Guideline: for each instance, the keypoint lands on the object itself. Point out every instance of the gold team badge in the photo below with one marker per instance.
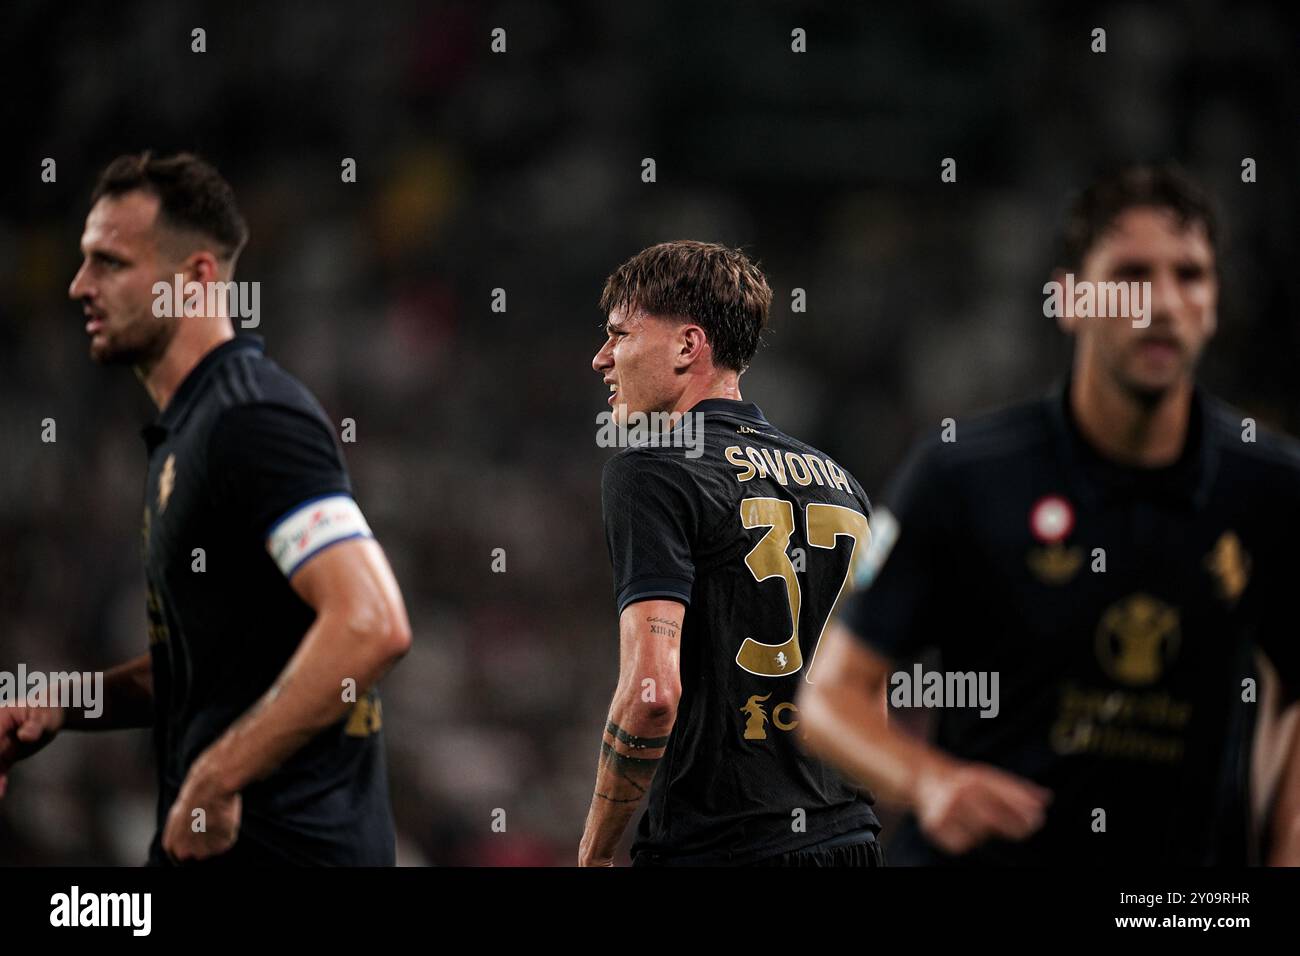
(785, 716)
(166, 481)
(756, 717)
(1051, 520)
(1230, 565)
(1137, 638)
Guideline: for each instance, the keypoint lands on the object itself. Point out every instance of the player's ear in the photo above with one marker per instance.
(1065, 317)
(691, 343)
(201, 266)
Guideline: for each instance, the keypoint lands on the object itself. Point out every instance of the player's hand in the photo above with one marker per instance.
(960, 805)
(198, 836)
(23, 731)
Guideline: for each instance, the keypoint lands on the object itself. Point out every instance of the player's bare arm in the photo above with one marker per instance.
(641, 717)
(128, 699)
(1284, 838)
(360, 631)
(1275, 766)
(959, 804)
(127, 703)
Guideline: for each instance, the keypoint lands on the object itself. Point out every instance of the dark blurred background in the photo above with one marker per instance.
(522, 171)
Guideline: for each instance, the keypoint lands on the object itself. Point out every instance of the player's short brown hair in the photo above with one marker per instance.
(1094, 209)
(192, 195)
(714, 286)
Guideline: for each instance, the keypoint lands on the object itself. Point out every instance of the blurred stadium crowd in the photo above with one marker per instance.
(522, 171)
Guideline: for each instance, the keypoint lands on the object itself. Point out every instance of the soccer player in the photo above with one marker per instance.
(1111, 551)
(731, 542)
(272, 611)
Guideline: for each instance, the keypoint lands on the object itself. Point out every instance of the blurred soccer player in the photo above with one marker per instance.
(265, 649)
(729, 555)
(1111, 552)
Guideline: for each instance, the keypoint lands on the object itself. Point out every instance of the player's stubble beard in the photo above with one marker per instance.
(140, 342)
(1144, 394)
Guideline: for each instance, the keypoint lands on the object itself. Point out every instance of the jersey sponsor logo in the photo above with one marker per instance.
(1230, 566)
(166, 482)
(784, 717)
(1144, 725)
(312, 527)
(1137, 639)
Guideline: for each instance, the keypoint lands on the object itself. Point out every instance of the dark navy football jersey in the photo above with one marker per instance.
(243, 455)
(755, 535)
(1119, 607)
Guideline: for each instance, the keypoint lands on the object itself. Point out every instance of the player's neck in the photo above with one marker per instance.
(195, 339)
(1123, 428)
(727, 386)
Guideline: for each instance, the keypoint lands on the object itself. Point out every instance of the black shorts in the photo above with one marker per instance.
(850, 849)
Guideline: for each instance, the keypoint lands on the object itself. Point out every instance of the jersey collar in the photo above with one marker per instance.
(732, 407)
(176, 410)
(1096, 478)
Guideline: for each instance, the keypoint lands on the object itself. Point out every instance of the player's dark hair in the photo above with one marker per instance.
(192, 195)
(1095, 209)
(716, 287)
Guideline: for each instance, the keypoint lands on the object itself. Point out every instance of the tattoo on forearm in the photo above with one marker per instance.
(662, 627)
(631, 775)
(638, 743)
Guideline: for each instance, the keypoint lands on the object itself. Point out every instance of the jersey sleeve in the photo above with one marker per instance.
(277, 475)
(898, 586)
(651, 522)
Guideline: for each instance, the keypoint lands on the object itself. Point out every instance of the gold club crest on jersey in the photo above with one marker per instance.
(1137, 639)
(1229, 564)
(166, 482)
(1051, 520)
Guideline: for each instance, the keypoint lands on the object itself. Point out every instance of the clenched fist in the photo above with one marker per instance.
(23, 731)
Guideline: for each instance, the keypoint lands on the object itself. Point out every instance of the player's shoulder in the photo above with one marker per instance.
(247, 377)
(1257, 449)
(648, 462)
(254, 405)
(830, 462)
